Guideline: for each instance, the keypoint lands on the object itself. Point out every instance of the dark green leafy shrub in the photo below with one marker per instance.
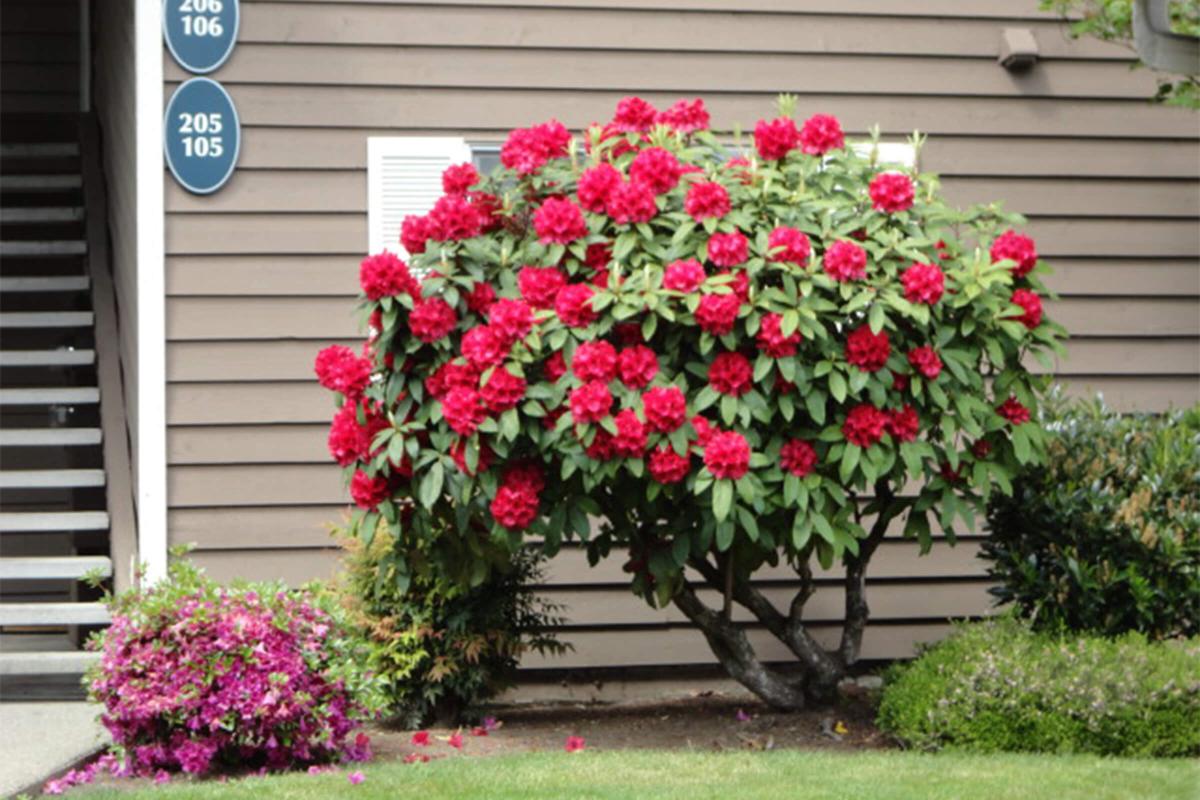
(1105, 535)
(441, 648)
(998, 685)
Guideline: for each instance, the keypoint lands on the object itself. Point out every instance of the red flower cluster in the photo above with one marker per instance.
(591, 402)
(555, 366)
(368, 492)
(925, 361)
(637, 366)
(458, 452)
(463, 410)
(717, 313)
(845, 261)
(502, 391)
(1019, 249)
(630, 438)
(480, 298)
(453, 218)
(431, 319)
(1013, 411)
(631, 202)
(414, 233)
(820, 134)
(512, 319)
(796, 246)
(704, 430)
(731, 374)
(866, 350)
(528, 149)
(923, 283)
(657, 169)
(864, 425)
(449, 376)
(666, 466)
(596, 185)
(775, 139)
(727, 455)
(339, 370)
(574, 306)
(891, 192)
(904, 424)
(515, 505)
(685, 117)
(484, 346)
(797, 457)
(665, 408)
(728, 249)
(706, 199)
(683, 276)
(559, 221)
(459, 179)
(634, 114)
(1032, 304)
(348, 441)
(594, 361)
(540, 285)
(385, 275)
(771, 339)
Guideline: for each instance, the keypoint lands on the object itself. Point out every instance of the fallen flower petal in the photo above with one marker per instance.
(421, 738)
(742, 716)
(356, 778)
(455, 741)
(491, 723)
(479, 731)
(416, 758)
(162, 776)
(574, 744)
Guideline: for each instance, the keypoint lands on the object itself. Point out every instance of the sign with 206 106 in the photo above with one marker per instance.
(202, 132)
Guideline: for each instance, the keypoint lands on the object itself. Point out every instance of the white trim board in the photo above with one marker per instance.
(404, 176)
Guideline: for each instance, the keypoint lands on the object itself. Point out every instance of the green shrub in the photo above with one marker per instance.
(998, 685)
(1105, 536)
(442, 649)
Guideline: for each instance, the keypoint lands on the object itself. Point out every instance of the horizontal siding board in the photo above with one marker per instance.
(346, 191)
(471, 109)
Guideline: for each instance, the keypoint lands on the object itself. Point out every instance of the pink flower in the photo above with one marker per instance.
(596, 185)
(666, 466)
(634, 115)
(657, 169)
(356, 778)
(820, 134)
(491, 724)
(559, 221)
(637, 366)
(891, 192)
(796, 246)
(728, 249)
(685, 117)
(574, 744)
(574, 306)
(742, 716)
(775, 139)
(923, 283)
(540, 285)
(845, 261)
(727, 455)
(683, 276)
(1019, 249)
(705, 200)
(455, 740)
(459, 178)
(631, 202)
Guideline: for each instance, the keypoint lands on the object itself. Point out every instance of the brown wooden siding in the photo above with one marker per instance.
(263, 273)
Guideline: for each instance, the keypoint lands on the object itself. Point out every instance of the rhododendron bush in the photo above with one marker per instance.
(197, 677)
(725, 358)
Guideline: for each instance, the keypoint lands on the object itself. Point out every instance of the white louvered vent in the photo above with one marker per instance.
(404, 176)
(897, 154)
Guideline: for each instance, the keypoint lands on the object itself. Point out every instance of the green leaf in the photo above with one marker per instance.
(431, 484)
(729, 408)
(725, 531)
(815, 401)
(850, 459)
(722, 499)
(748, 522)
(510, 424)
(837, 386)
(876, 318)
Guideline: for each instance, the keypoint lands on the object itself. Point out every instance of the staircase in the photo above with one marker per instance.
(54, 526)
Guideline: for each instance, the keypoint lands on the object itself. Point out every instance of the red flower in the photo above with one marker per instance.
(628, 333)
(904, 424)
(414, 233)
(891, 192)
(634, 114)
(574, 306)
(923, 283)
(683, 276)
(597, 256)
(458, 179)
(591, 402)
(462, 408)
(771, 339)
(797, 457)
(775, 139)
(1032, 304)
(540, 285)
(637, 366)
(656, 168)
(667, 466)
(706, 199)
(727, 455)
(484, 346)
(489, 208)
(595, 361)
(740, 168)
(596, 185)
(925, 361)
(458, 452)
(728, 249)
(431, 319)
(421, 739)
(845, 261)
(528, 149)
(573, 744)
(481, 296)
(864, 425)
(368, 492)
(453, 218)
(385, 275)
(630, 203)
(348, 441)
(502, 391)
(555, 366)
(514, 507)
(525, 476)
(730, 373)
(1012, 410)
(1019, 249)
(981, 449)
(665, 408)
(867, 351)
(717, 313)
(449, 376)
(704, 430)
(601, 448)
(559, 221)
(685, 117)
(820, 134)
(796, 246)
(339, 370)
(512, 319)
(630, 439)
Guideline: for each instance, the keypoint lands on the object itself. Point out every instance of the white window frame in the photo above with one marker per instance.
(384, 234)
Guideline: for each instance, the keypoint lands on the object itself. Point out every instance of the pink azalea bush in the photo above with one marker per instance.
(194, 676)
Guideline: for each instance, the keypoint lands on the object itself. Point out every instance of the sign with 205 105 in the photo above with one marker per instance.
(200, 33)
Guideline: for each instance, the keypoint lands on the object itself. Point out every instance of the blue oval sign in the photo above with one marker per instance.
(202, 135)
(200, 33)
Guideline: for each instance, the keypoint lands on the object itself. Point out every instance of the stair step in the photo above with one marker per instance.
(50, 478)
(63, 247)
(38, 614)
(48, 396)
(39, 149)
(49, 437)
(70, 662)
(40, 183)
(47, 214)
(38, 521)
(71, 283)
(46, 358)
(47, 319)
(54, 567)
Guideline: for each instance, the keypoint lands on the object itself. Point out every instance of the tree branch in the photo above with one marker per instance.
(857, 610)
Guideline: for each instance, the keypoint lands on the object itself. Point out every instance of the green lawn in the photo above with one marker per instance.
(630, 775)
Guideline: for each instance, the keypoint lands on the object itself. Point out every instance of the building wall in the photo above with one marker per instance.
(262, 274)
(39, 56)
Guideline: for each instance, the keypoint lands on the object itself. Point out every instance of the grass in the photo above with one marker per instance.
(663, 775)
